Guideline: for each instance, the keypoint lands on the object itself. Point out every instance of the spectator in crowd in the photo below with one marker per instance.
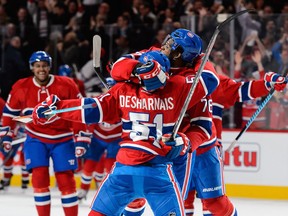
(4, 18)
(59, 16)
(41, 19)
(283, 15)
(220, 63)
(54, 48)
(159, 38)
(27, 32)
(14, 66)
(280, 53)
(246, 21)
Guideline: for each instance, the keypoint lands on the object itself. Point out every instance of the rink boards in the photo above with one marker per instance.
(257, 167)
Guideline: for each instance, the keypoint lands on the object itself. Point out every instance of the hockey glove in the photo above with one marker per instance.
(276, 81)
(82, 142)
(179, 146)
(6, 135)
(151, 75)
(49, 104)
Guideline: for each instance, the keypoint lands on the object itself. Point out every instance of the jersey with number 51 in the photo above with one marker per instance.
(145, 116)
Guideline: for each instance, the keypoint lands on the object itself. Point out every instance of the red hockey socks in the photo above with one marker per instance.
(40, 184)
(67, 186)
(220, 206)
(42, 200)
(189, 203)
(135, 208)
(87, 172)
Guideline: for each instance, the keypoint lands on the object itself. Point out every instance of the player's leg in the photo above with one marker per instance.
(135, 208)
(111, 152)
(209, 183)
(115, 192)
(40, 173)
(99, 170)
(163, 192)
(24, 171)
(64, 163)
(92, 160)
(86, 178)
(182, 168)
(189, 202)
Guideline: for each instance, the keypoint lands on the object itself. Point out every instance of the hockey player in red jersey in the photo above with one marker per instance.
(44, 141)
(146, 116)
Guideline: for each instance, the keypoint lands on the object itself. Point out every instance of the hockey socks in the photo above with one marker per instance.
(189, 203)
(42, 200)
(220, 206)
(67, 186)
(135, 208)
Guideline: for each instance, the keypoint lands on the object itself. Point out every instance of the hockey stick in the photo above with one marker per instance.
(8, 156)
(198, 74)
(96, 60)
(28, 118)
(254, 116)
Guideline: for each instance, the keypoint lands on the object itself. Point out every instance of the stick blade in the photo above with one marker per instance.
(96, 51)
(23, 119)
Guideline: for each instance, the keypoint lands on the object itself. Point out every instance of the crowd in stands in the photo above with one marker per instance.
(64, 29)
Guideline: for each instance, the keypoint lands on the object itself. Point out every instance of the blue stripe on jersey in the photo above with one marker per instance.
(7, 111)
(217, 111)
(27, 111)
(245, 91)
(211, 80)
(127, 125)
(91, 115)
(205, 124)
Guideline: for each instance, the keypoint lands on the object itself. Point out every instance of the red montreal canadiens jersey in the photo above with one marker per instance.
(229, 92)
(27, 93)
(145, 116)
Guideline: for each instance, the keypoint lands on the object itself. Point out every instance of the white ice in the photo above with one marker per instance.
(15, 202)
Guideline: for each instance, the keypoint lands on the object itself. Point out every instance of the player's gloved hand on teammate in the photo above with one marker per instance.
(151, 75)
(39, 111)
(6, 135)
(276, 81)
(82, 142)
(179, 146)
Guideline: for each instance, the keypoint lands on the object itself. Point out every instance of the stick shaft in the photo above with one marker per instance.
(28, 118)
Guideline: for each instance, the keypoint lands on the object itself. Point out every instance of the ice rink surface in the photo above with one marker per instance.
(15, 202)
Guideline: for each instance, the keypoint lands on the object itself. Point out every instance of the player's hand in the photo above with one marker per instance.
(179, 146)
(82, 142)
(39, 111)
(151, 75)
(6, 135)
(276, 81)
